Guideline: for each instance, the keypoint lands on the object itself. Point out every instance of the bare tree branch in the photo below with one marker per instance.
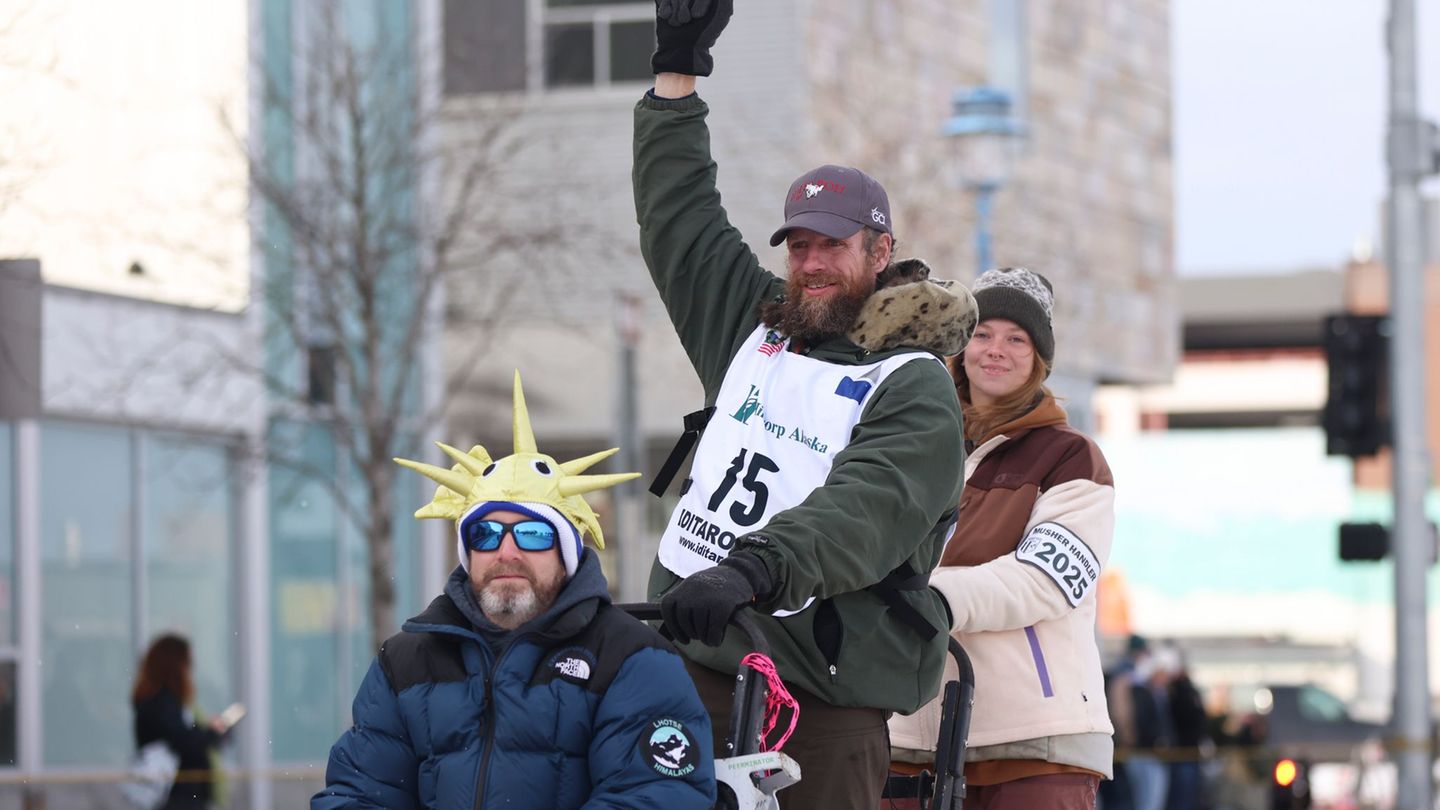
(352, 272)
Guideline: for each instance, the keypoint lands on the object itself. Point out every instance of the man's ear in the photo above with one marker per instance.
(881, 257)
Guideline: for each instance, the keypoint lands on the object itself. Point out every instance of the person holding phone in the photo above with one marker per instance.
(162, 699)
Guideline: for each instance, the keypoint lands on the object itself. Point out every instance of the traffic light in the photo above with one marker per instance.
(1357, 410)
(1363, 542)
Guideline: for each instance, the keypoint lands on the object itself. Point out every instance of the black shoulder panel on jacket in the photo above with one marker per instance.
(593, 657)
(412, 658)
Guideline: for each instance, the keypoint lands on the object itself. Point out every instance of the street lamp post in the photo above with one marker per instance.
(635, 551)
(1413, 155)
(984, 140)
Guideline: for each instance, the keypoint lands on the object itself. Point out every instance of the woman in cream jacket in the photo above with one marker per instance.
(1019, 572)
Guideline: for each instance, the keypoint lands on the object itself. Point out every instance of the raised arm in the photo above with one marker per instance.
(708, 278)
(674, 85)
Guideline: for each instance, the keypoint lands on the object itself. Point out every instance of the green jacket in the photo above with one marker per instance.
(890, 496)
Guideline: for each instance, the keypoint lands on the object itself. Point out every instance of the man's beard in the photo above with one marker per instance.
(812, 319)
(510, 604)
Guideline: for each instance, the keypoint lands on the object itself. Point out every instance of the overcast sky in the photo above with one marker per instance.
(1279, 128)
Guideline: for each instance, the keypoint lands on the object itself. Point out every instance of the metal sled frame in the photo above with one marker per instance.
(944, 787)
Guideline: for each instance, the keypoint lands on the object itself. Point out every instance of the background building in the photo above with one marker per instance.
(166, 340)
(1234, 550)
(865, 83)
(173, 438)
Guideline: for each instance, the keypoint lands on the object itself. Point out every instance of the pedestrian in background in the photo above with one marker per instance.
(1116, 794)
(1034, 529)
(162, 699)
(1189, 729)
(1146, 771)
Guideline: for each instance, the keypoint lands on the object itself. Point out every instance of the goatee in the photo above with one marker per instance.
(510, 604)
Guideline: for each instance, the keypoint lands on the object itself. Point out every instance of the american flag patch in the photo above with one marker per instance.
(774, 342)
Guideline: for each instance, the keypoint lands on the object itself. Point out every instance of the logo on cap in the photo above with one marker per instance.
(855, 200)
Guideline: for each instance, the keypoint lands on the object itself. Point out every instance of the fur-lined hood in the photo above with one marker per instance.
(911, 309)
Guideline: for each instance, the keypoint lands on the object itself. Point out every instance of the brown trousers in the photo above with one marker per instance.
(844, 754)
(1056, 791)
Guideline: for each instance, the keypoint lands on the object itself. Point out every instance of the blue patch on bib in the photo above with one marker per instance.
(853, 389)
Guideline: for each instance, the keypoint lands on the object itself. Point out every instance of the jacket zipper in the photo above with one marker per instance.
(829, 636)
(489, 741)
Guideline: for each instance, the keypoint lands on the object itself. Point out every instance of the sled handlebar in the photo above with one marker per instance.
(650, 612)
(747, 713)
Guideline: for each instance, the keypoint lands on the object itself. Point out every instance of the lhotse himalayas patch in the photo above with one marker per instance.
(669, 748)
(1062, 557)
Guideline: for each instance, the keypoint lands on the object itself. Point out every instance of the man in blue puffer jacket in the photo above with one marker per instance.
(522, 686)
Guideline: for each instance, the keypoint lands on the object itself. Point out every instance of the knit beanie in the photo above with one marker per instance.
(1023, 296)
(571, 547)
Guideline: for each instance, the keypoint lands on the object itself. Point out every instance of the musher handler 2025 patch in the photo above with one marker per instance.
(1063, 557)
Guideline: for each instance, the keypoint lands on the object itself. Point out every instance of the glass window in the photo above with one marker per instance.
(187, 552)
(409, 600)
(484, 44)
(569, 54)
(7, 597)
(631, 44)
(8, 747)
(7, 536)
(87, 647)
(1317, 704)
(307, 710)
(597, 42)
(582, 42)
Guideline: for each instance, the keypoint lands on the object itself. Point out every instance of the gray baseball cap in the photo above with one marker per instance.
(836, 201)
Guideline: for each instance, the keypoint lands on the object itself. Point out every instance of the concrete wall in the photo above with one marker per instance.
(1091, 202)
(566, 192)
(798, 84)
(20, 330)
(123, 359)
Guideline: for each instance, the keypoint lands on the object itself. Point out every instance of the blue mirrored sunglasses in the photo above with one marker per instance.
(530, 535)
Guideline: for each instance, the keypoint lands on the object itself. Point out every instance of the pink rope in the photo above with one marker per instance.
(776, 696)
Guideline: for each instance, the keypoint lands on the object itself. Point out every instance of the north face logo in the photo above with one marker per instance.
(811, 189)
(577, 668)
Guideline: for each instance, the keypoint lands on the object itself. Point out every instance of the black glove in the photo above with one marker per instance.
(700, 607)
(684, 32)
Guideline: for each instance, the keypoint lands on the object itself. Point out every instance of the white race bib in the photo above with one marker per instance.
(780, 419)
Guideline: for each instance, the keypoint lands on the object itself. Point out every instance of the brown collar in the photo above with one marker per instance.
(1046, 414)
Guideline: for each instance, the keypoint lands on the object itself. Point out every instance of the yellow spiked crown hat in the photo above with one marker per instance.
(526, 481)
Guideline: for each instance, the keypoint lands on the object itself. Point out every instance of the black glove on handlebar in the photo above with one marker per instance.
(684, 32)
(700, 607)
